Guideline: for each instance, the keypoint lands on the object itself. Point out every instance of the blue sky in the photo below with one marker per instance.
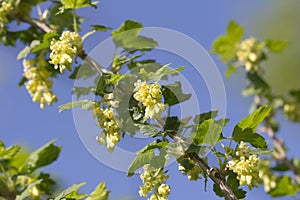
(23, 122)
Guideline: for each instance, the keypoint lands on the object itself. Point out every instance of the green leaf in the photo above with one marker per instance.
(161, 73)
(172, 124)
(252, 121)
(86, 71)
(139, 43)
(100, 28)
(115, 78)
(230, 70)
(23, 53)
(173, 94)
(69, 190)
(148, 129)
(76, 4)
(135, 28)
(79, 91)
(42, 157)
(26, 192)
(85, 104)
(285, 187)
(60, 19)
(281, 167)
(257, 86)
(205, 116)
(46, 41)
(141, 160)
(8, 153)
(100, 193)
(208, 132)
(275, 46)
(225, 45)
(247, 135)
(153, 145)
(235, 31)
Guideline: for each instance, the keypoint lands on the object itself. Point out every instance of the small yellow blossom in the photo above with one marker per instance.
(38, 85)
(63, 50)
(245, 166)
(154, 182)
(150, 96)
(5, 8)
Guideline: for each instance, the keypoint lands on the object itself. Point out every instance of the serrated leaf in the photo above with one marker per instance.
(42, 157)
(26, 193)
(8, 153)
(173, 94)
(139, 43)
(76, 4)
(69, 190)
(208, 132)
(285, 187)
(253, 120)
(276, 46)
(140, 160)
(205, 116)
(100, 193)
(100, 28)
(247, 135)
(85, 104)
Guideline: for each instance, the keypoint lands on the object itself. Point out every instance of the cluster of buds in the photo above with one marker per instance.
(108, 121)
(150, 96)
(63, 50)
(268, 179)
(291, 109)
(5, 8)
(38, 85)
(154, 182)
(250, 53)
(245, 166)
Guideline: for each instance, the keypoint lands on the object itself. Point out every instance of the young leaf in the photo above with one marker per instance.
(42, 157)
(148, 129)
(100, 193)
(275, 46)
(46, 41)
(76, 4)
(140, 160)
(235, 31)
(285, 187)
(153, 145)
(172, 124)
(69, 190)
(230, 70)
(8, 153)
(173, 94)
(85, 104)
(247, 135)
(23, 53)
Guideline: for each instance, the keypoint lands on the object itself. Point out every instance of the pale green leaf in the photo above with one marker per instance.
(87, 104)
(26, 193)
(69, 190)
(140, 160)
(100, 193)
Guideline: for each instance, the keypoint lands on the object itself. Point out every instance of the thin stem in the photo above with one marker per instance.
(75, 21)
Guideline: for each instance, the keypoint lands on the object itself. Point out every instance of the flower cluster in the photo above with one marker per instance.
(150, 96)
(291, 109)
(5, 8)
(249, 53)
(154, 182)
(108, 121)
(63, 50)
(38, 85)
(268, 179)
(245, 166)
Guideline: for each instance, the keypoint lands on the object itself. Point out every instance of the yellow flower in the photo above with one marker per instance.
(150, 96)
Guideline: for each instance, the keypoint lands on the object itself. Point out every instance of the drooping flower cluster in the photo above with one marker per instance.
(245, 166)
(249, 53)
(5, 8)
(108, 121)
(38, 85)
(268, 179)
(154, 181)
(63, 50)
(150, 96)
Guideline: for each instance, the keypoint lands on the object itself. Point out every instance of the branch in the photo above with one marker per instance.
(278, 144)
(213, 175)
